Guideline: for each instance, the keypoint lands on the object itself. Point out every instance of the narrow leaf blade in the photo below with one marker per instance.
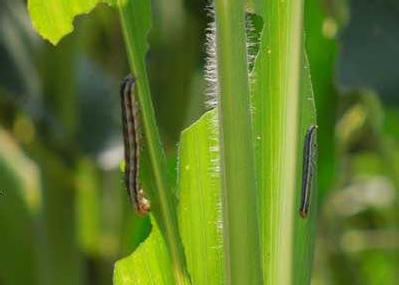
(200, 213)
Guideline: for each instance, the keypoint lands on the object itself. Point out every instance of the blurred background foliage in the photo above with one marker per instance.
(64, 215)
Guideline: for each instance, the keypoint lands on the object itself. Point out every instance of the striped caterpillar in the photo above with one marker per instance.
(308, 172)
(131, 138)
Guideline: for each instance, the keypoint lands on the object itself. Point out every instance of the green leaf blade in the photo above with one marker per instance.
(53, 19)
(278, 96)
(136, 20)
(200, 213)
(150, 263)
(304, 229)
(240, 215)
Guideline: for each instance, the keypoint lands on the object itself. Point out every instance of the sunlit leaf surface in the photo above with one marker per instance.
(53, 19)
(149, 264)
(200, 213)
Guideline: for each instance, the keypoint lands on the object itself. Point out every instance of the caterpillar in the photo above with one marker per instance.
(131, 138)
(308, 171)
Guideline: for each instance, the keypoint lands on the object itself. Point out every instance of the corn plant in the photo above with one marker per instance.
(232, 215)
